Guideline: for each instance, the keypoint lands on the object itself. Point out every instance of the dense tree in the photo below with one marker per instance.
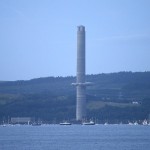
(53, 98)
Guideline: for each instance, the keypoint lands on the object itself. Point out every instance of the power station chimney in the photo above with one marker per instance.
(80, 77)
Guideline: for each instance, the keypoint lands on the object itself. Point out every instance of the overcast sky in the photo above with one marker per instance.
(38, 37)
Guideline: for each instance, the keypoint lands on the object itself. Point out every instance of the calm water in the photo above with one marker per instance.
(75, 137)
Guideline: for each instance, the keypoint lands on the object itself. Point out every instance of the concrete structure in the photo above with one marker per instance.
(80, 78)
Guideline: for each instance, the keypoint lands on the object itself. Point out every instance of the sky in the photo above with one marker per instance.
(38, 37)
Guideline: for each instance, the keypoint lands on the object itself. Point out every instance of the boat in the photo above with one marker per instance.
(36, 124)
(3, 125)
(145, 122)
(65, 123)
(105, 123)
(130, 123)
(135, 123)
(88, 123)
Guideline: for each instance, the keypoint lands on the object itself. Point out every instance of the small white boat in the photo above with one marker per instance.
(145, 122)
(65, 123)
(105, 123)
(88, 123)
(135, 123)
(36, 124)
(130, 123)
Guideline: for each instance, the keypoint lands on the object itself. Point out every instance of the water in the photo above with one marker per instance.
(75, 137)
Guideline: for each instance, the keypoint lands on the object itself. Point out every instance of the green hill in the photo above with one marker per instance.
(54, 98)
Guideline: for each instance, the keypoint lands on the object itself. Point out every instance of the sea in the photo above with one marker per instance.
(75, 137)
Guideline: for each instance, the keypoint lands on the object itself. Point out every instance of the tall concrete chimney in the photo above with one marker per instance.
(80, 78)
(81, 88)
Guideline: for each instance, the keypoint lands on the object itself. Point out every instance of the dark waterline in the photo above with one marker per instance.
(75, 137)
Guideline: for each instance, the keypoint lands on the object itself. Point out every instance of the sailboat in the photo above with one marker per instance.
(145, 122)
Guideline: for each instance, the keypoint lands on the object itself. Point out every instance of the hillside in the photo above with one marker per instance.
(53, 98)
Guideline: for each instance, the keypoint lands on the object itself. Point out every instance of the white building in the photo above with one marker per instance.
(20, 120)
